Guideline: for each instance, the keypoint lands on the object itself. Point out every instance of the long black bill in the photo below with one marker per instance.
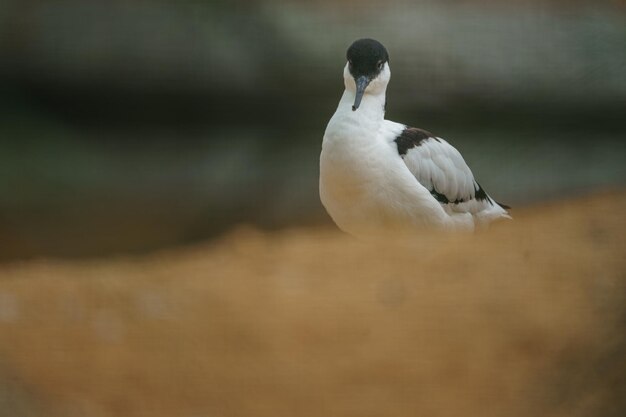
(361, 84)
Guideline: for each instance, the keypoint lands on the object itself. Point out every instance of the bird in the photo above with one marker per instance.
(377, 175)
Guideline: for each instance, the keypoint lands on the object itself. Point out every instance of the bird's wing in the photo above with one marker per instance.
(440, 168)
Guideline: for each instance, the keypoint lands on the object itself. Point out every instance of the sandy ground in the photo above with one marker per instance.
(525, 319)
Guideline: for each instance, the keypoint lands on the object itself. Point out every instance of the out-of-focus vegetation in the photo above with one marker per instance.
(130, 126)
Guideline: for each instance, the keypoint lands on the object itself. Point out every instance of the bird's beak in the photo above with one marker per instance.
(361, 84)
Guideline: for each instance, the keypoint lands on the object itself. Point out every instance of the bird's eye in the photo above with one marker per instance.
(380, 65)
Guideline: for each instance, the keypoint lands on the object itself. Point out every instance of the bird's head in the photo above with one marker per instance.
(367, 70)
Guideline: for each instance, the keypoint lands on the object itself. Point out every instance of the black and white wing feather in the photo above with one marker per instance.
(440, 168)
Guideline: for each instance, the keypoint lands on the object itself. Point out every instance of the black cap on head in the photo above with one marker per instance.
(366, 58)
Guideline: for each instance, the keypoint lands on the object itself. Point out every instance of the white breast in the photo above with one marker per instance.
(365, 185)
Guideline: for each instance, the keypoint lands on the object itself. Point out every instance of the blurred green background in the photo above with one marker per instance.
(127, 126)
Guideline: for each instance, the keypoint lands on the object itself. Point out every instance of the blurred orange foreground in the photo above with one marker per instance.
(525, 319)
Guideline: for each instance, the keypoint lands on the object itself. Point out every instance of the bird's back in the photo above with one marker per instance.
(440, 168)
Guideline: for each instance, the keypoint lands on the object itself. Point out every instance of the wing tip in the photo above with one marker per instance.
(504, 206)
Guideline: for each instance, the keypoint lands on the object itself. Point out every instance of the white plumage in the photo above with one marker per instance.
(376, 174)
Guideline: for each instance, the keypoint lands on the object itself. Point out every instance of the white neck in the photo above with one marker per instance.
(370, 113)
(372, 104)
